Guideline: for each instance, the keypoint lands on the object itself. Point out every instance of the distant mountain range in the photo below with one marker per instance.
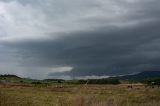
(141, 75)
(137, 76)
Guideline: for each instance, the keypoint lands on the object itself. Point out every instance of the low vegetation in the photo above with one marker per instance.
(150, 81)
(80, 95)
(91, 92)
(100, 81)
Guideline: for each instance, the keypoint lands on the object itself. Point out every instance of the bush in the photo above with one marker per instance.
(100, 81)
(36, 82)
(151, 80)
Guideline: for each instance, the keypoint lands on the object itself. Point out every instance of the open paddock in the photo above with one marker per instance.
(79, 95)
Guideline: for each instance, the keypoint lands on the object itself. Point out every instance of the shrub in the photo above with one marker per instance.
(36, 82)
(100, 81)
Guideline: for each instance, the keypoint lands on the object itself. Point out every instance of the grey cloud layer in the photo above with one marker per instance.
(111, 52)
(94, 37)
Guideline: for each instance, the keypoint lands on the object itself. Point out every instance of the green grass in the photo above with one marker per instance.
(79, 95)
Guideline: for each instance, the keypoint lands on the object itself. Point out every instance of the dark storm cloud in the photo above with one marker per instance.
(96, 38)
(99, 52)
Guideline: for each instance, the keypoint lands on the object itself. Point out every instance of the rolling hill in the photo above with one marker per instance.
(141, 75)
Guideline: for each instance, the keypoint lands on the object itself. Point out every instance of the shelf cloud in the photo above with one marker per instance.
(78, 38)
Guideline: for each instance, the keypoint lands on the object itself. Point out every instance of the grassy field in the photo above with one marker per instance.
(79, 95)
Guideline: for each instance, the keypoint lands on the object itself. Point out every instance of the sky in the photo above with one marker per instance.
(79, 38)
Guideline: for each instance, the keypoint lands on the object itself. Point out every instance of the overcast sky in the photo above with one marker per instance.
(79, 38)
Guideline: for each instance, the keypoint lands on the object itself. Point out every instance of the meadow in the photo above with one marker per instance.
(79, 95)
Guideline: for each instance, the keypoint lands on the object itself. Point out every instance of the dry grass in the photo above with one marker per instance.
(78, 95)
(7, 100)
